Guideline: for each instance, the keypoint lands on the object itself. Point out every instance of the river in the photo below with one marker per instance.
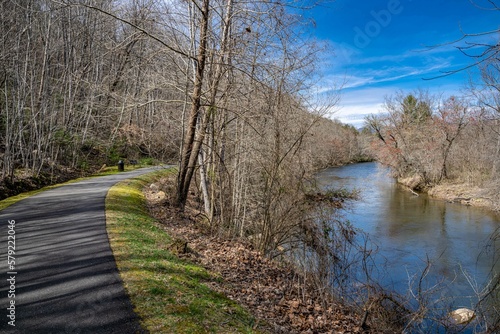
(411, 230)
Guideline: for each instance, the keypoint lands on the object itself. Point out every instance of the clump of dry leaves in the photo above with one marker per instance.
(271, 291)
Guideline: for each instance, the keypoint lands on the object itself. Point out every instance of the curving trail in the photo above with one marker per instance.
(65, 276)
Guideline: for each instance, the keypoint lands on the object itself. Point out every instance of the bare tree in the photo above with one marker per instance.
(473, 45)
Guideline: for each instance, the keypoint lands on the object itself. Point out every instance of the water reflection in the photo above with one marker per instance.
(410, 230)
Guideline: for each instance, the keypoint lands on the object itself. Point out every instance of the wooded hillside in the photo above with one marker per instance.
(223, 88)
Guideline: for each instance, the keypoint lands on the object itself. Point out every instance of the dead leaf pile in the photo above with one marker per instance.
(274, 293)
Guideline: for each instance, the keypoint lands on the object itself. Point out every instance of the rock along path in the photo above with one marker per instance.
(64, 279)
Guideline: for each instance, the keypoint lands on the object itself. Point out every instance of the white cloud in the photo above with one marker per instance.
(355, 105)
(367, 80)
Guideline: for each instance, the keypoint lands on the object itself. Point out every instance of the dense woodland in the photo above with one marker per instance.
(224, 89)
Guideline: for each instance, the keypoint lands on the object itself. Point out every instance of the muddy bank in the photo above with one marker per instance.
(463, 193)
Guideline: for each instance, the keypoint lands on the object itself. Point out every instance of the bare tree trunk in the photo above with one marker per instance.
(191, 147)
(222, 62)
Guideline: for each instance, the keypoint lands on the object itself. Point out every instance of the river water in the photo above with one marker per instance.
(411, 230)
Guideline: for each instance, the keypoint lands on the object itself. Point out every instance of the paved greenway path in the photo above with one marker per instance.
(64, 277)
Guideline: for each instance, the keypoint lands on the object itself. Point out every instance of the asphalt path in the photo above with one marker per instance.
(64, 278)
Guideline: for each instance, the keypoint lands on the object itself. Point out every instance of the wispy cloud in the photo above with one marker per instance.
(355, 105)
(399, 51)
(366, 77)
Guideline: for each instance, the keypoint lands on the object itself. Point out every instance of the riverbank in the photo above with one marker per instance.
(427, 249)
(280, 299)
(182, 278)
(462, 193)
(465, 194)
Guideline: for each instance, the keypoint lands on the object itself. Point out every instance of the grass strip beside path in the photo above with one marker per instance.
(169, 294)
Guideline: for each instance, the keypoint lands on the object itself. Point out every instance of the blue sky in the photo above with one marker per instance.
(381, 46)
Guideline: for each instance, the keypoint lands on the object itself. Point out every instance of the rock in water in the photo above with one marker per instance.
(462, 316)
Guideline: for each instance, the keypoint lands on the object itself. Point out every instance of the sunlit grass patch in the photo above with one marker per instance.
(170, 295)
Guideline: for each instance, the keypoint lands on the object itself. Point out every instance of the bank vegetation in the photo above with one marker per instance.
(448, 146)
